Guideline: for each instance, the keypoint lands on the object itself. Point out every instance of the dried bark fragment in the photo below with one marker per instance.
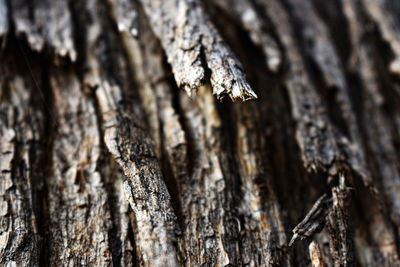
(389, 26)
(146, 82)
(45, 22)
(257, 28)
(185, 33)
(314, 220)
(20, 130)
(335, 214)
(79, 218)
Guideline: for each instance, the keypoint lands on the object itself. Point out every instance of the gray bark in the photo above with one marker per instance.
(118, 145)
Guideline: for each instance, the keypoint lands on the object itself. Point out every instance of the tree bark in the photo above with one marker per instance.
(199, 133)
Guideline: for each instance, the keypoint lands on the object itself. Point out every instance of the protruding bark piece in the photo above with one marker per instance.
(314, 220)
(257, 28)
(333, 213)
(186, 33)
(45, 22)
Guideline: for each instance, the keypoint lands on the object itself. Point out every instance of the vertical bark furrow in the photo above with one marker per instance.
(257, 28)
(120, 235)
(185, 33)
(377, 133)
(79, 218)
(317, 137)
(320, 49)
(146, 76)
(147, 58)
(211, 222)
(20, 132)
(263, 234)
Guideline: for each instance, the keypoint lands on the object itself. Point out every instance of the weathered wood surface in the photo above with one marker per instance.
(105, 160)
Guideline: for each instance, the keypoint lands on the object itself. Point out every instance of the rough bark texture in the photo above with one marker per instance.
(105, 160)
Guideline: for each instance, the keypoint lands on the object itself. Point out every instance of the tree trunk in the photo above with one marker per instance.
(199, 133)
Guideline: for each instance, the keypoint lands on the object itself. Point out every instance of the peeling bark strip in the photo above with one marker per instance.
(145, 190)
(186, 32)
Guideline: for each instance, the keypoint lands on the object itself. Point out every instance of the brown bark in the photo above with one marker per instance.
(105, 160)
